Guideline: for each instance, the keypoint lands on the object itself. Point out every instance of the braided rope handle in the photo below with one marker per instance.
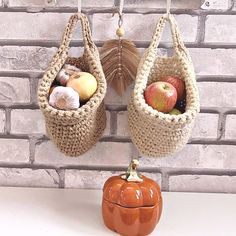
(68, 33)
(179, 47)
(149, 56)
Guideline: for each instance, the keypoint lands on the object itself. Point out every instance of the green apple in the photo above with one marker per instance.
(175, 112)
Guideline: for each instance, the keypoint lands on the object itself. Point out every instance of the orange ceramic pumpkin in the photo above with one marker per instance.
(132, 203)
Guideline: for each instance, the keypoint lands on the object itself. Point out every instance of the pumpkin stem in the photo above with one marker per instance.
(132, 175)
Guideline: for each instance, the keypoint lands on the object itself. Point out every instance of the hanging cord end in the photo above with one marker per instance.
(120, 32)
(168, 4)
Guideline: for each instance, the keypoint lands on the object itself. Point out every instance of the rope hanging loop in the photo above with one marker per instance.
(79, 6)
(168, 5)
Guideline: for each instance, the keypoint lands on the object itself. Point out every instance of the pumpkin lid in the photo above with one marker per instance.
(132, 190)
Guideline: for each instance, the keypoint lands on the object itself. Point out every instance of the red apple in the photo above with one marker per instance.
(161, 96)
(177, 83)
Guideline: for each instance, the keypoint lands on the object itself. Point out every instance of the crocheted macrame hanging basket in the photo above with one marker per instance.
(75, 132)
(154, 133)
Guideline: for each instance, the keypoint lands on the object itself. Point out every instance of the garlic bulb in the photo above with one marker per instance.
(62, 77)
(64, 98)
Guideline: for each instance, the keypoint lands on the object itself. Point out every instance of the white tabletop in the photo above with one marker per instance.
(68, 212)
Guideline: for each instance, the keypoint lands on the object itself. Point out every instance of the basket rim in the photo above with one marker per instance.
(146, 110)
(90, 105)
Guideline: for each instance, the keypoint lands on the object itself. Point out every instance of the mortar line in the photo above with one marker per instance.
(170, 171)
(164, 181)
(99, 43)
(113, 122)
(201, 28)
(127, 10)
(7, 128)
(221, 126)
(61, 174)
(32, 145)
(33, 92)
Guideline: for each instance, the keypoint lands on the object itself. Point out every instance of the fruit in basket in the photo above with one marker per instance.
(62, 77)
(84, 83)
(161, 96)
(181, 105)
(64, 98)
(175, 112)
(177, 83)
(52, 88)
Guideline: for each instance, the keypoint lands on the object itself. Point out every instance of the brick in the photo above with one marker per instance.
(14, 90)
(230, 127)
(216, 4)
(143, 30)
(220, 29)
(30, 59)
(34, 26)
(102, 154)
(28, 178)
(60, 3)
(216, 94)
(178, 4)
(196, 157)
(33, 59)
(214, 61)
(95, 179)
(2, 120)
(25, 121)
(113, 99)
(203, 183)
(206, 126)
(122, 124)
(14, 151)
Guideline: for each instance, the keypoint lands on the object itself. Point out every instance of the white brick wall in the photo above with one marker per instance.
(152, 4)
(60, 3)
(198, 157)
(230, 132)
(14, 90)
(27, 43)
(25, 121)
(214, 62)
(220, 29)
(14, 151)
(217, 94)
(102, 154)
(96, 179)
(203, 183)
(28, 177)
(25, 59)
(34, 26)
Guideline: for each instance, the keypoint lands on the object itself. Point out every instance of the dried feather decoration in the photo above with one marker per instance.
(119, 59)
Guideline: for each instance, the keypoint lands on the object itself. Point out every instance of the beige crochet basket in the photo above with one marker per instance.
(154, 133)
(75, 132)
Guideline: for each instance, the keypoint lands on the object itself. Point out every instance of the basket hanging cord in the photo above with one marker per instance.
(168, 4)
(120, 13)
(79, 6)
(121, 7)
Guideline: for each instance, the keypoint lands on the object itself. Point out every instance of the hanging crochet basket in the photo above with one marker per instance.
(74, 132)
(154, 133)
